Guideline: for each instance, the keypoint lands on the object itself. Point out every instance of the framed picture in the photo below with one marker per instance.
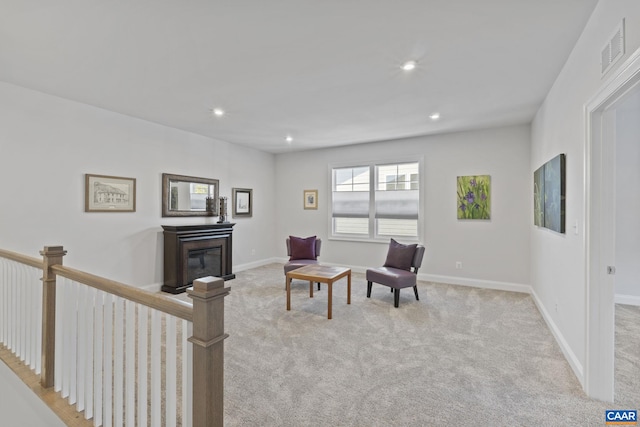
(538, 197)
(549, 194)
(242, 201)
(311, 199)
(104, 193)
(474, 197)
(554, 194)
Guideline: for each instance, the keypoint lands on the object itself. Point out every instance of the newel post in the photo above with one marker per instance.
(208, 351)
(52, 255)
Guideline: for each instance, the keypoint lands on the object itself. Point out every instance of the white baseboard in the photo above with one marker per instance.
(255, 264)
(575, 364)
(476, 283)
(627, 299)
(450, 280)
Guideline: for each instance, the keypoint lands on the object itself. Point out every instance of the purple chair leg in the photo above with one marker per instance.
(415, 291)
(396, 297)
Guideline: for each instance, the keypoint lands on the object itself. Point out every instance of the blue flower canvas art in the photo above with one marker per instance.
(474, 197)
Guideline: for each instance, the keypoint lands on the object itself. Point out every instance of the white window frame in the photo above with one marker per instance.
(371, 164)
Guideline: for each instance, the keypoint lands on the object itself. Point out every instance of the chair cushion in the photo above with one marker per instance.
(292, 265)
(392, 277)
(302, 248)
(399, 255)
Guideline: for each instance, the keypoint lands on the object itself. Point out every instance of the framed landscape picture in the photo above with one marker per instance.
(105, 193)
(242, 202)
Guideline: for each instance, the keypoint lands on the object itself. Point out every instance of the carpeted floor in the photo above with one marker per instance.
(460, 356)
(627, 356)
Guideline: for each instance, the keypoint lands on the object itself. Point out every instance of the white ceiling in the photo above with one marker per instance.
(325, 72)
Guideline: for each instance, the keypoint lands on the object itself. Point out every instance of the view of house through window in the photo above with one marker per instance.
(377, 200)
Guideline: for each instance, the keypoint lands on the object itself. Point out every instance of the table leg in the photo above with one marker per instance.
(310, 289)
(288, 280)
(330, 299)
(349, 288)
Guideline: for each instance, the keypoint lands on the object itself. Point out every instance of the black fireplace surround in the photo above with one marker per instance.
(195, 251)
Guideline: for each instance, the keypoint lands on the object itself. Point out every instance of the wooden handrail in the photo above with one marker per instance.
(206, 314)
(23, 259)
(169, 305)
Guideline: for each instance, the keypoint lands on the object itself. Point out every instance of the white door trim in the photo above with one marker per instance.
(600, 309)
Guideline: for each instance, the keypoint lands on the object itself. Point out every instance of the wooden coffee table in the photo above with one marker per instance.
(321, 274)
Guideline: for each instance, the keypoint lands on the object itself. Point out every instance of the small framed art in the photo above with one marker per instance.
(311, 199)
(104, 193)
(242, 202)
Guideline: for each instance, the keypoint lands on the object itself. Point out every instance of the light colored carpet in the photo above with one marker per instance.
(460, 356)
(627, 361)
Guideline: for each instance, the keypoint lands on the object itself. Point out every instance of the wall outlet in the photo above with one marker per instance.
(458, 265)
(253, 251)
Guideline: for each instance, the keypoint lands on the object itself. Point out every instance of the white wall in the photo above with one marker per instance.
(558, 261)
(628, 199)
(47, 144)
(494, 253)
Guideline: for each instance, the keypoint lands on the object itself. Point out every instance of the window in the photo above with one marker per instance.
(376, 200)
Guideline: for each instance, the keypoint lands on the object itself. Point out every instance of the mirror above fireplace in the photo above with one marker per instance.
(187, 195)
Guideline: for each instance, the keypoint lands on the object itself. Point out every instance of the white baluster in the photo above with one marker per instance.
(27, 315)
(170, 372)
(12, 309)
(37, 336)
(59, 338)
(130, 377)
(73, 342)
(88, 367)
(156, 327)
(186, 374)
(36, 298)
(107, 361)
(143, 329)
(3, 298)
(98, 339)
(19, 310)
(81, 338)
(118, 366)
(65, 317)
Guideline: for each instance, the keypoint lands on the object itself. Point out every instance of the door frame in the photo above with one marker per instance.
(599, 223)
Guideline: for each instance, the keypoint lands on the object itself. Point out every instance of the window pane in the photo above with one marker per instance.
(397, 227)
(351, 179)
(343, 176)
(408, 169)
(404, 176)
(361, 175)
(351, 226)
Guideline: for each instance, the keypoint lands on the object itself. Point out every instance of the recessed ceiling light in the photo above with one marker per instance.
(289, 139)
(218, 112)
(409, 65)
(434, 116)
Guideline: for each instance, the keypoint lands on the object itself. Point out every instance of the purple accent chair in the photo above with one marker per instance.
(396, 278)
(297, 263)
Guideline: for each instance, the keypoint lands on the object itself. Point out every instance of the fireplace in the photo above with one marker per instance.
(195, 251)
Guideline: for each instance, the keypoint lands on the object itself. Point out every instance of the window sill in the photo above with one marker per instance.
(379, 240)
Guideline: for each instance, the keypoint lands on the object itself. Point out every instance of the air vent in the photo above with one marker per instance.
(613, 50)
